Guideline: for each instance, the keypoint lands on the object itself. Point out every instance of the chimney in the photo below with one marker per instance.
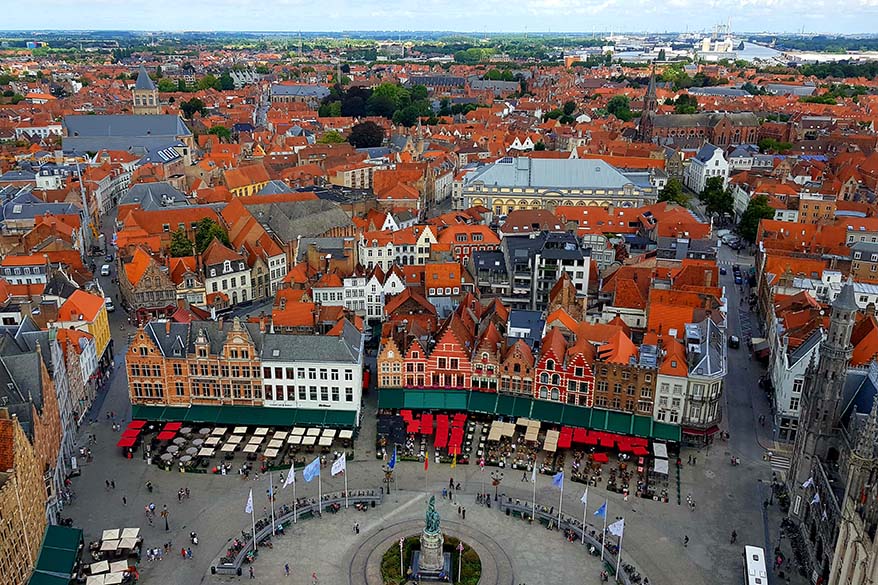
(708, 278)
(167, 326)
(220, 322)
(262, 323)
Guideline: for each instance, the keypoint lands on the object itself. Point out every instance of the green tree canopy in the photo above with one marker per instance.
(181, 245)
(673, 192)
(757, 210)
(770, 145)
(205, 231)
(620, 106)
(331, 137)
(222, 132)
(190, 107)
(685, 104)
(366, 135)
(226, 82)
(166, 85)
(716, 198)
(208, 81)
(569, 108)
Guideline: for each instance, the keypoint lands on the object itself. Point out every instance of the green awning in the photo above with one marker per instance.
(576, 416)
(433, 400)
(598, 419)
(146, 412)
(278, 417)
(666, 432)
(391, 398)
(200, 413)
(484, 402)
(506, 405)
(522, 407)
(436, 399)
(642, 426)
(39, 578)
(59, 554)
(619, 422)
(456, 400)
(340, 418)
(546, 411)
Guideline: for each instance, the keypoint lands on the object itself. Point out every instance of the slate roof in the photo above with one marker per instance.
(289, 220)
(130, 132)
(143, 80)
(313, 348)
(315, 91)
(705, 119)
(153, 196)
(706, 153)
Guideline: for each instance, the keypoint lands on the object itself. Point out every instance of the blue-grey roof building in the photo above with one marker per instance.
(134, 133)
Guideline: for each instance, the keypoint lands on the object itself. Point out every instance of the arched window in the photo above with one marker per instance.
(544, 378)
(554, 394)
(550, 365)
(543, 392)
(556, 379)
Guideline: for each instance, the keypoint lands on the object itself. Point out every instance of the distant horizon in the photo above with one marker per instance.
(503, 16)
(536, 33)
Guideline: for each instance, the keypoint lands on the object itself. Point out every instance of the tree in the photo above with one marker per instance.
(181, 245)
(331, 137)
(380, 105)
(205, 231)
(770, 145)
(418, 92)
(208, 81)
(181, 85)
(222, 132)
(166, 85)
(757, 210)
(262, 70)
(569, 108)
(685, 104)
(716, 198)
(620, 106)
(539, 145)
(366, 135)
(673, 192)
(226, 82)
(190, 107)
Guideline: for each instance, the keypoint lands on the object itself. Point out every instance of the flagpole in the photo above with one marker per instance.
(319, 493)
(271, 498)
(346, 487)
(534, 503)
(619, 555)
(604, 533)
(253, 526)
(295, 502)
(560, 501)
(584, 509)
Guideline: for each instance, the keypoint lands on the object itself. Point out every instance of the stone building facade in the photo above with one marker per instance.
(625, 387)
(22, 502)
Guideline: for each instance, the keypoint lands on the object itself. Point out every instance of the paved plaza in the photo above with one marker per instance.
(727, 498)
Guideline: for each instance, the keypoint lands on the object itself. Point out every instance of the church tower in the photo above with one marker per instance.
(821, 397)
(650, 107)
(146, 95)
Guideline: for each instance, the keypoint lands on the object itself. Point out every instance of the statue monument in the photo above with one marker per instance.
(431, 563)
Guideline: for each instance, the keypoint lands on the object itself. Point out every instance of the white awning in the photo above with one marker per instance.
(130, 533)
(99, 567)
(660, 450)
(112, 534)
(119, 566)
(661, 466)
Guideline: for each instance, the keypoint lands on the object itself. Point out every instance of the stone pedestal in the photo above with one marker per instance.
(431, 557)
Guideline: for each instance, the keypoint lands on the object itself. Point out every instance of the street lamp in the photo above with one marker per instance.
(496, 478)
(388, 476)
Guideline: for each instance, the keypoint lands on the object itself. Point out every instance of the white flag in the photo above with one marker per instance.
(291, 476)
(338, 466)
(808, 483)
(584, 498)
(617, 528)
(533, 473)
(249, 507)
(815, 499)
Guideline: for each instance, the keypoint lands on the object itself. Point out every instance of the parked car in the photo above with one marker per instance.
(105, 270)
(738, 279)
(722, 270)
(108, 302)
(734, 342)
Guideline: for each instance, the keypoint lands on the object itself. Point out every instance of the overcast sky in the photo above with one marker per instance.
(840, 16)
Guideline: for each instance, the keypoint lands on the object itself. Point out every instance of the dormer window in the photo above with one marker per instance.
(227, 266)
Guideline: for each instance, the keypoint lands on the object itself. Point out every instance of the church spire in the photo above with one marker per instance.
(650, 103)
(869, 433)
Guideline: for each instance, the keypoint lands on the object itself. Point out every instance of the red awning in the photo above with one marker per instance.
(137, 424)
(701, 432)
(601, 457)
(413, 426)
(126, 442)
(427, 424)
(133, 433)
(406, 415)
(580, 435)
(608, 442)
(640, 451)
(173, 426)
(166, 435)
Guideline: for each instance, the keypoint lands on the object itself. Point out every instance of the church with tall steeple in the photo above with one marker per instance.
(145, 94)
(650, 107)
(826, 463)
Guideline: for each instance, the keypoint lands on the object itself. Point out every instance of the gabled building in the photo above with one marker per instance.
(146, 286)
(226, 276)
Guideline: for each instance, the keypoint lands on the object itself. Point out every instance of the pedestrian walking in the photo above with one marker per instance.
(686, 540)
(252, 576)
(113, 484)
(187, 493)
(106, 484)
(287, 569)
(183, 552)
(124, 501)
(734, 537)
(459, 510)
(690, 460)
(464, 513)
(444, 493)
(188, 553)
(451, 484)
(694, 460)
(524, 475)
(357, 527)
(313, 578)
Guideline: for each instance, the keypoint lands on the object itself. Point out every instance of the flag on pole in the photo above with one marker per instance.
(808, 483)
(584, 498)
(339, 465)
(392, 464)
(426, 462)
(617, 528)
(558, 479)
(249, 507)
(311, 470)
(533, 473)
(602, 511)
(454, 461)
(291, 476)
(815, 499)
